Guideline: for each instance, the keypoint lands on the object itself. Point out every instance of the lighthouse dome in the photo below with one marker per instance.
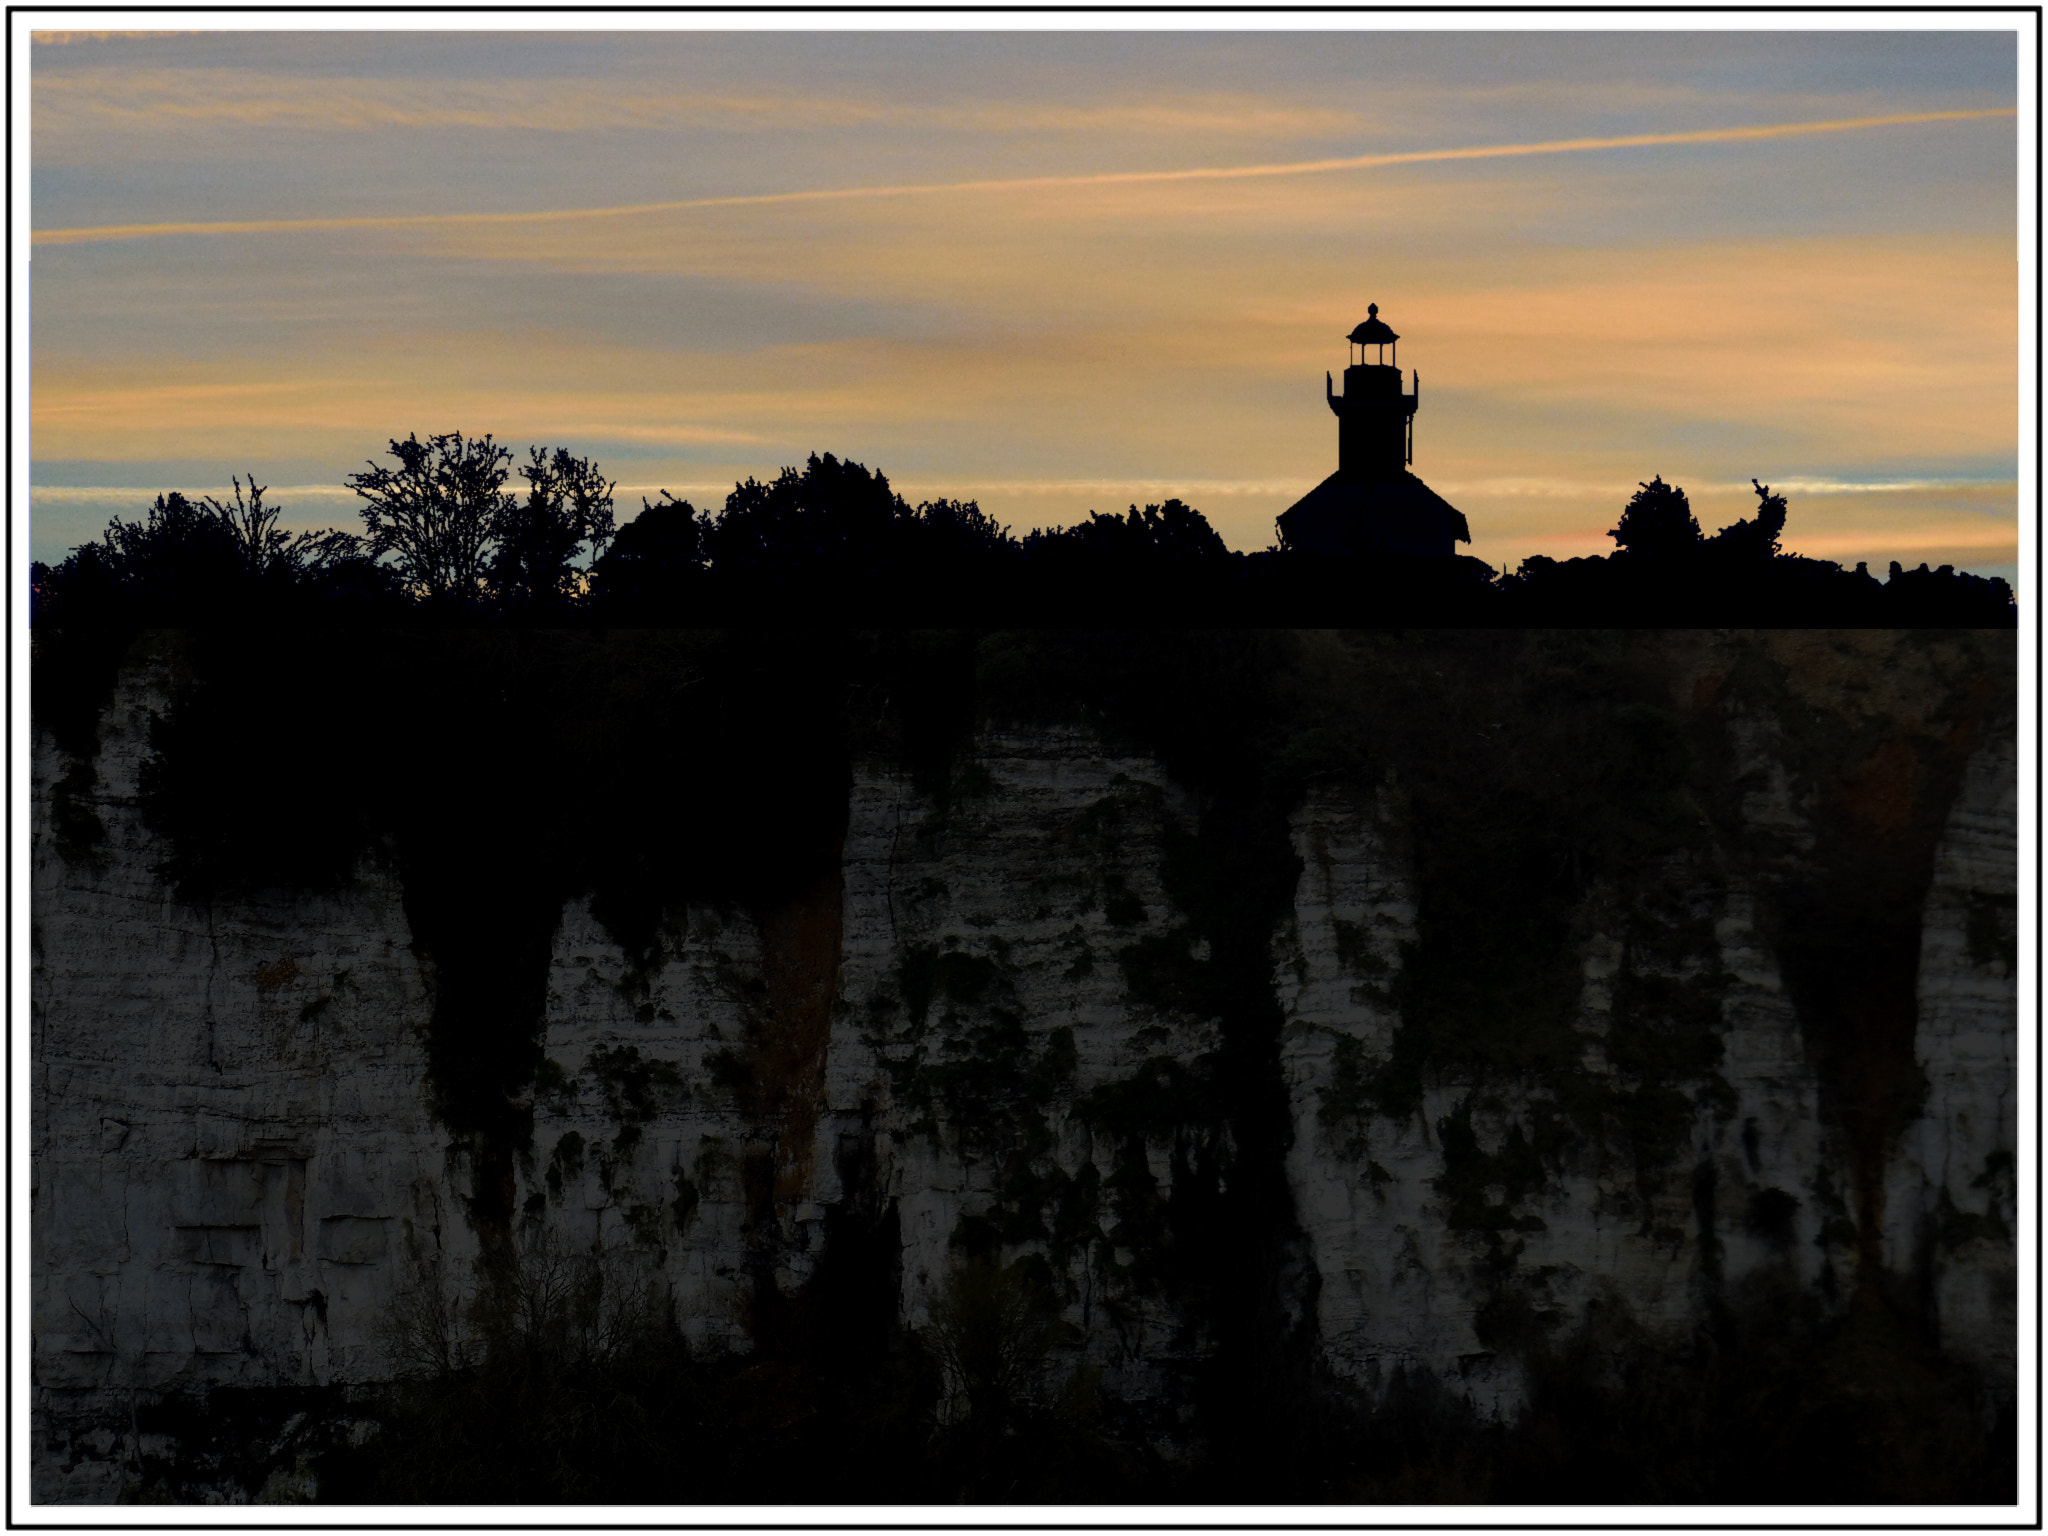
(1375, 331)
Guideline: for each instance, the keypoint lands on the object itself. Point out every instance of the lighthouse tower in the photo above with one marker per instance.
(1375, 421)
(1373, 504)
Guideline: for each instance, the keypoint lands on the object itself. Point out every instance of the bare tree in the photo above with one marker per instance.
(993, 1336)
(266, 547)
(439, 513)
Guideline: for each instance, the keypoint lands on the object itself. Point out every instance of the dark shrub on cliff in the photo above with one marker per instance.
(831, 521)
(655, 570)
(1657, 521)
(196, 564)
(1158, 563)
(1663, 572)
(833, 543)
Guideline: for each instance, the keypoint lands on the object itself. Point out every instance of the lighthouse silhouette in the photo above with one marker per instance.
(1373, 504)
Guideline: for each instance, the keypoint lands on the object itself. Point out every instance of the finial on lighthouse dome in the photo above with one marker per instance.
(1375, 331)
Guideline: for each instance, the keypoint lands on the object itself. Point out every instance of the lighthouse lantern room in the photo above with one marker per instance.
(1375, 420)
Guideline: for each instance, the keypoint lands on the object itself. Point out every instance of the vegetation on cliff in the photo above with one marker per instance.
(446, 542)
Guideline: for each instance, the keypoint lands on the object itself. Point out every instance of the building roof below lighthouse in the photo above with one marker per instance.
(1399, 516)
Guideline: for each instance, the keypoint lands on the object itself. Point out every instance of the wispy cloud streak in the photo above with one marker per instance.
(145, 100)
(1016, 183)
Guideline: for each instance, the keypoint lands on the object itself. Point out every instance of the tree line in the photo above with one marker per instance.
(446, 539)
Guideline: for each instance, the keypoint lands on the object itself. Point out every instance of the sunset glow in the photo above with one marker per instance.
(1050, 271)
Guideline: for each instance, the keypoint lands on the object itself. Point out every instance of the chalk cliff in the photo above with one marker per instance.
(986, 1030)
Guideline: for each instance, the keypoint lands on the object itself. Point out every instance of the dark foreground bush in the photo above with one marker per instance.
(1767, 1404)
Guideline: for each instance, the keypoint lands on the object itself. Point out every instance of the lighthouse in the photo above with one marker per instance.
(1373, 504)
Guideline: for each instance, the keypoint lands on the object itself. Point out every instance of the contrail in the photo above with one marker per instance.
(1017, 183)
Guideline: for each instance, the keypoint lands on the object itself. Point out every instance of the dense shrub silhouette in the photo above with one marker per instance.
(1161, 540)
(1658, 520)
(834, 534)
(654, 572)
(1152, 562)
(184, 564)
(190, 560)
(1752, 539)
(829, 522)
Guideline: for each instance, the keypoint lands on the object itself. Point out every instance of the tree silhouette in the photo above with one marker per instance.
(179, 557)
(1753, 539)
(653, 571)
(439, 513)
(1657, 521)
(954, 536)
(833, 542)
(266, 549)
(1163, 563)
(831, 519)
(568, 507)
(1163, 534)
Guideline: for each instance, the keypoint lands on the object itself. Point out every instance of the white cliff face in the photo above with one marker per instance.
(669, 1188)
(1362, 1183)
(1949, 1187)
(978, 950)
(237, 1172)
(231, 1144)
(1048, 870)
(1760, 1187)
(1403, 1285)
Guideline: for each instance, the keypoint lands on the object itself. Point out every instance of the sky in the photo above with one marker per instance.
(1050, 271)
